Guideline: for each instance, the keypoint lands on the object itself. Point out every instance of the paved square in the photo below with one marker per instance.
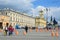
(30, 36)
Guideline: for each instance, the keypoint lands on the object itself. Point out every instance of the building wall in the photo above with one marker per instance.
(19, 18)
(40, 21)
(4, 20)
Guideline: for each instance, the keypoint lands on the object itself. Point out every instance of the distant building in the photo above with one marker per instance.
(13, 17)
(4, 20)
(55, 23)
(40, 21)
(50, 24)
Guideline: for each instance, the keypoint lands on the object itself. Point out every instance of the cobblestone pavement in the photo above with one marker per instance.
(30, 36)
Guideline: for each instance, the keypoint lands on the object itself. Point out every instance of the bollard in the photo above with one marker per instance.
(30, 30)
(56, 34)
(46, 30)
(41, 30)
(52, 34)
(24, 32)
(36, 29)
(16, 32)
(1, 30)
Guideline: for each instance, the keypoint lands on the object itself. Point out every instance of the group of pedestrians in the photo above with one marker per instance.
(8, 30)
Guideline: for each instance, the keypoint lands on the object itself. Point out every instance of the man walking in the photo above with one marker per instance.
(26, 28)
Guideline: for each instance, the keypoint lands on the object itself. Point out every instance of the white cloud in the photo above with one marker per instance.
(55, 11)
(52, 11)
(27, 6)
(35, 12)
(22, 5)
(15, 1)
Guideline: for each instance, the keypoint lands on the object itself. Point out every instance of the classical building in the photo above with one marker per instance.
(4, 20)
(40, 21)
(13, 17)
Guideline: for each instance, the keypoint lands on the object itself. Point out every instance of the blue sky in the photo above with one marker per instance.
(32, 7)
(47, 3)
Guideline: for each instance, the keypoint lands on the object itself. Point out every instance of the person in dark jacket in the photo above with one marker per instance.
(26, 29)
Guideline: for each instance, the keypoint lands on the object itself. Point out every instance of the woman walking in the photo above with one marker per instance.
(6, 30)
(11, 29)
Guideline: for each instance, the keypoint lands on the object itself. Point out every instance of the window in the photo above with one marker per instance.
(16, 19)
(6, 13)
(10, 18)
(13, 18)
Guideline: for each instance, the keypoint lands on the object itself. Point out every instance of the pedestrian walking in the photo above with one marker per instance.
(6, 30)
(26, 28)
(11, 29)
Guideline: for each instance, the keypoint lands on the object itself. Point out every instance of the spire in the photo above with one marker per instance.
(41, 14)
(46, 9)
(54, 21)
(51, 19)
(51, 22)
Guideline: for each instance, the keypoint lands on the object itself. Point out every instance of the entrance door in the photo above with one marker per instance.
(1, 25)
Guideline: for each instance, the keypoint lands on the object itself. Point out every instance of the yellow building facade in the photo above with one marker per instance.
(14, 18)
(40, 21)
(4, 20)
